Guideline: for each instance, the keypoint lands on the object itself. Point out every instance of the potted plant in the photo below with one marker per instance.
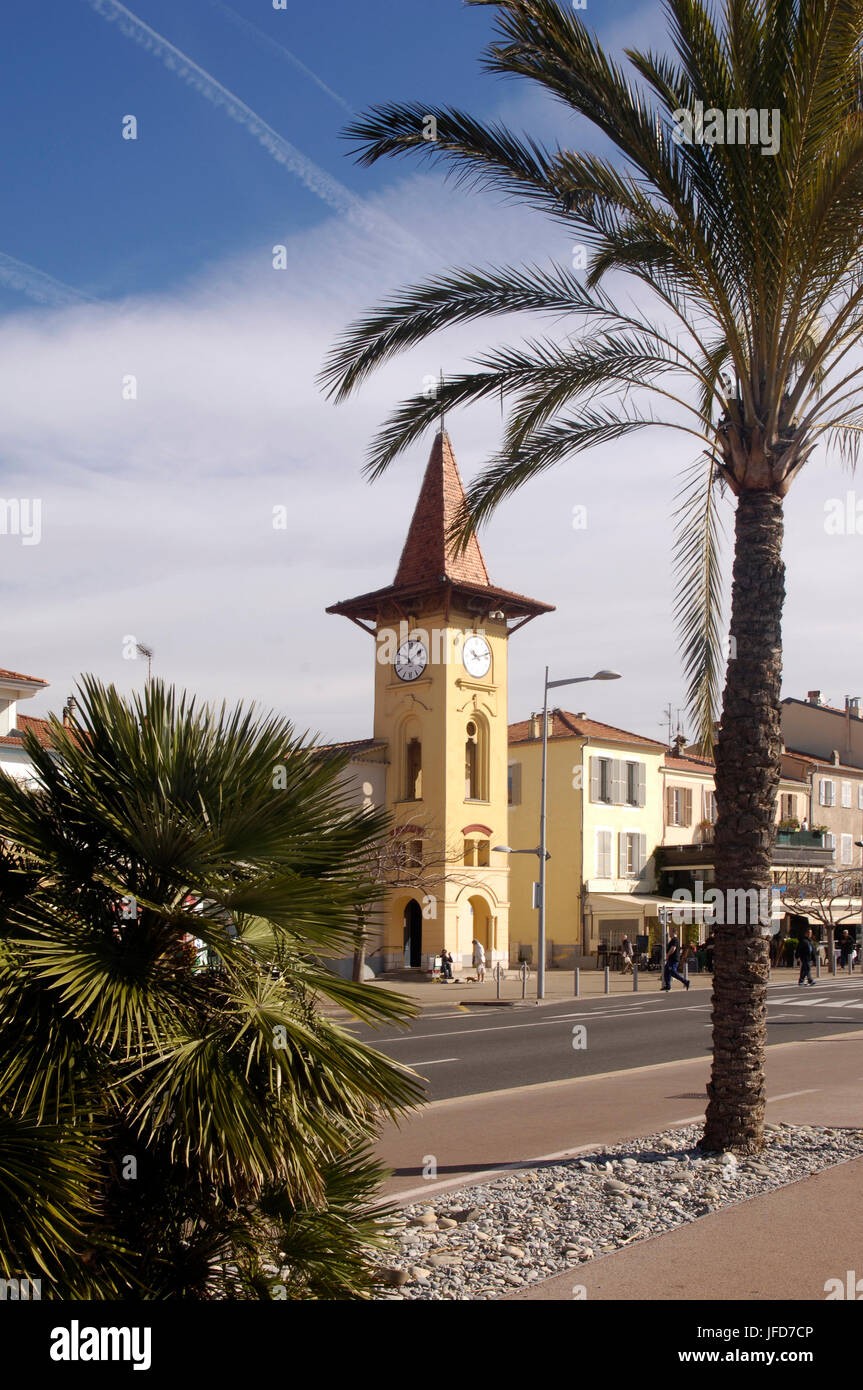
(786, 828)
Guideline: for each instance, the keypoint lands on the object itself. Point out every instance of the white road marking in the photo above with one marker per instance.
(436, 1062)
(504, 1028)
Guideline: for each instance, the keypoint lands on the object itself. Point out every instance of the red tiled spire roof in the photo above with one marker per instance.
(429, 571)
(427, 556)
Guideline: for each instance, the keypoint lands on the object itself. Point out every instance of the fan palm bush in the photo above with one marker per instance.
(178, 1120)
(745, 262)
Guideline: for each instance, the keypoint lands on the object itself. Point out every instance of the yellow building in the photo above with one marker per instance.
(441, 632)
(604, 822)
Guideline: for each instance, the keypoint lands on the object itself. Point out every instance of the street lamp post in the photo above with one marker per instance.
(541, 851)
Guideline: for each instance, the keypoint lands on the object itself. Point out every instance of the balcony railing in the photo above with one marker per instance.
(802, 839)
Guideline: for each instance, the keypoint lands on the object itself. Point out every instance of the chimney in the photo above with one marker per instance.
(679, 745)
(69, 712)
(835, 756)
(852, 706)
(814, 697)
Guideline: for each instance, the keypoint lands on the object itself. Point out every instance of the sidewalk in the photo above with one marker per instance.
(434, 997)
(784, 1246)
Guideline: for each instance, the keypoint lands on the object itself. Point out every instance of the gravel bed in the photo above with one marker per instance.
(484, 1241)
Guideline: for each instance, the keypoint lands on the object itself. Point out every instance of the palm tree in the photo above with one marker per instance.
(184, 1121)
(750, 274)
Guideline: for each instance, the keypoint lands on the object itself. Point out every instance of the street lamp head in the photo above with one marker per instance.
(607, 676)
(501, 849)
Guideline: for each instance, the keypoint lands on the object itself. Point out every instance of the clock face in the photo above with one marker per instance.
(411, 660)
(476, 656)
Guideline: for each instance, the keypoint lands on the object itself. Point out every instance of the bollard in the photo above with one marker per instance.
(607, 981)
(635, 978)
(498, 973)
(524, 979)
(577, 983)
(818, 966)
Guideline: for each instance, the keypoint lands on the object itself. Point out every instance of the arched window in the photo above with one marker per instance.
(476, 760)
(413, 770)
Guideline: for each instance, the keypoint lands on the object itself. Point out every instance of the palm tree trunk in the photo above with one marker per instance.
(747, 778)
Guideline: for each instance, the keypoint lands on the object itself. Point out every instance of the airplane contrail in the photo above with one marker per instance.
(286, 154)
(282, 51)
(18, 275)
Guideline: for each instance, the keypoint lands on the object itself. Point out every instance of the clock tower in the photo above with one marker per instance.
(441, 633)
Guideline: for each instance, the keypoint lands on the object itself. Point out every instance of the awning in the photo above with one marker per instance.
(645, 905)
(816, 911)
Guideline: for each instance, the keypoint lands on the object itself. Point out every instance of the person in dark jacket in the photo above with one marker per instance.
(672, 957)
(846, 946)
(445, 965)
(806, 956)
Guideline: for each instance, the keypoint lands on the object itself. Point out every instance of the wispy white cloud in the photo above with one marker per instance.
(157, 512)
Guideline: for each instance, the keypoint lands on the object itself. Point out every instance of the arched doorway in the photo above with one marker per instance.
(481, 927)
(413, 936)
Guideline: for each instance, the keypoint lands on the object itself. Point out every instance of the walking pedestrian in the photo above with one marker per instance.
(625, 955)
(672, 958)
(806, 955)
(479, 959)
(445, 965)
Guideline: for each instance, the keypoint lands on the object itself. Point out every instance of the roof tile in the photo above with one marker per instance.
(428, 554)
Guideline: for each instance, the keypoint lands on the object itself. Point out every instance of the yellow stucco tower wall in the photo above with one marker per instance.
(444, 709)
(442, 632)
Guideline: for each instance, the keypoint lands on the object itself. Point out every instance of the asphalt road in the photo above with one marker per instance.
(481, 1049)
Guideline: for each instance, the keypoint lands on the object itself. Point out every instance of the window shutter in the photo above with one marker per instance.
(618, 787)
(687, 806)
(669, 805)
(603, 854)
(594, 779)
(642, 784)
(860, 796)
(621, 855)
(515, 784)
(846, 794)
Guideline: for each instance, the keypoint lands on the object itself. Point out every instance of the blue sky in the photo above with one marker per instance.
(157, 511)
(113, 217)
